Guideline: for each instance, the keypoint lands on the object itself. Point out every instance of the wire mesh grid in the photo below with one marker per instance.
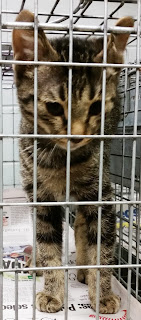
(78, 20)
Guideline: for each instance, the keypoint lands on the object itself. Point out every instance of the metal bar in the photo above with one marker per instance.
(125, 284)
(84, 16)
(67, 203)
(126, 1)
(133, 161)
(22, 5)
(114, 11)
(127, 220)
(122, 174)
(70, 64)
(13, 123)
(110, 266)
(138, 237)
(52, 11)
(16, 289)
(124, 262)
(59, 27)
(83, 10)
(132, 40)
(1, 175)
(59, 136)
(68, 155)
(35, 151)
(101, 160)
(123, 240)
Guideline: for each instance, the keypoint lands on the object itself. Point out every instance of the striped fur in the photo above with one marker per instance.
(52, 98)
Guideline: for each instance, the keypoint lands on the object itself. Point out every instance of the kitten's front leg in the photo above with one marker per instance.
(109, 302)
(80, 228)
(49, 246)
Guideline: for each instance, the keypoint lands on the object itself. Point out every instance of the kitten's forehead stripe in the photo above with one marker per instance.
(51, 95)
(81, 89)
(26, 100)
(91, 92)
(62, 93)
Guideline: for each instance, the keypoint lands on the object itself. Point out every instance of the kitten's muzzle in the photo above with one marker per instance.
(76, 140)
(74, 143)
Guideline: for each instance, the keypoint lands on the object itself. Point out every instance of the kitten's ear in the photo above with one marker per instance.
(23, 41)
(116, 43)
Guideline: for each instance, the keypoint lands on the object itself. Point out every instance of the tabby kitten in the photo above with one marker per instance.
(51, 157)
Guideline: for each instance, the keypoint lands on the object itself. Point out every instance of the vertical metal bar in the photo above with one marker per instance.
(133, 159)
(16, 290)
(68, 154)
(13, 113)
(122, 174)
(138, 220)
(101, 159)
(16, 260)
(35, 151)
(1, 175)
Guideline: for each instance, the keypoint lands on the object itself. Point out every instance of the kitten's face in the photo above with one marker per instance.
(53, 102)
(86, 103)
(53, 84)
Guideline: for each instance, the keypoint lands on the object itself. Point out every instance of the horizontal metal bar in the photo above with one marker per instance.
(70, 64)
(61, 27)
(67, 267)
(67, 203)
(69, 136)
(115, 29)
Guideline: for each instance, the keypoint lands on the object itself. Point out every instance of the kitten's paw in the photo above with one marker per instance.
(30, 265)
(47, 303)
(82, 276)
(109, 304)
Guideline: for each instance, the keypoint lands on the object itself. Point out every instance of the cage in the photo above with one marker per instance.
(84, 18)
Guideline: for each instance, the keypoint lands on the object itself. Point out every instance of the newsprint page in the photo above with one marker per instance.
(17, 244)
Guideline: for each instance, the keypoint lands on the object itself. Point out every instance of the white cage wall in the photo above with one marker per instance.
(11, 121)
(87, 14)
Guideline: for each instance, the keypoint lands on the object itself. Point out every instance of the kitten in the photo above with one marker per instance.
(51, 153)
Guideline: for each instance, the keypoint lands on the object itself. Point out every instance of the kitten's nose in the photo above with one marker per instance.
(76, 140)
(78, 129)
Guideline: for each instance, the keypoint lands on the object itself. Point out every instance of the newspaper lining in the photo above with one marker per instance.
(17, 234)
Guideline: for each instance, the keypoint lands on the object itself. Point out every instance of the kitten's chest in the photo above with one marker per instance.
(54, 180)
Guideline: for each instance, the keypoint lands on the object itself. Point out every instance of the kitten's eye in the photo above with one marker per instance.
(55, 108)
(95, 108)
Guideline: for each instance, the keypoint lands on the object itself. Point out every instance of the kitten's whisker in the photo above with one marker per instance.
(26, 149)
(31, 155)
(50, 153)
(41, 153)
(46, 156)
